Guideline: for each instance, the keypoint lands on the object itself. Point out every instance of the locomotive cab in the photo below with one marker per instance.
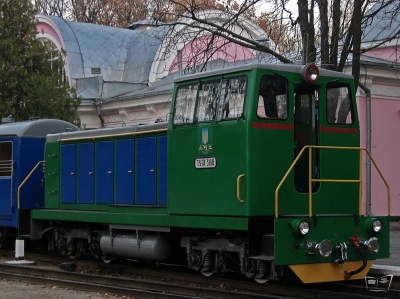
(276, 147)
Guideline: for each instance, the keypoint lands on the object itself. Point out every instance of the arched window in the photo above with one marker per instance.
(56, 61)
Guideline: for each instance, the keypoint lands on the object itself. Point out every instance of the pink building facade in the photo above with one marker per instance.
(383, 79)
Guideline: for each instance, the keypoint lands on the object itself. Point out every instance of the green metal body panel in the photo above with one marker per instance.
(290, 248)
(207, 191)
(268, 165)
(52, 187)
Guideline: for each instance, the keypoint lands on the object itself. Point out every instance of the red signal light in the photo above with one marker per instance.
(310, 73)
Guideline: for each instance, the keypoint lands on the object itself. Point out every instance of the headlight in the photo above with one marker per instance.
(304, 228)
(300, 227)
(373, 225)
(377, 225)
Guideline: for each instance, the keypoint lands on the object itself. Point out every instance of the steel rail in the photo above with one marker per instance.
(121, 286)
(173, 280)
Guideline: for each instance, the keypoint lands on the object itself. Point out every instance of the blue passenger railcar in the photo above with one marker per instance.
(21, 148)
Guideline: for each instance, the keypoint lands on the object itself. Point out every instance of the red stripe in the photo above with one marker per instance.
(291, 127)
(273, 126)
(339, 130)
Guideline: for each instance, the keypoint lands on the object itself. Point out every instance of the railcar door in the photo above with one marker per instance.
(146, 171)
(68, 173)
(105, 172)
(306, 132)
(86, 173)
(6, 170)
(125, 166)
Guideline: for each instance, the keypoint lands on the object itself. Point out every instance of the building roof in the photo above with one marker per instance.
(141, 52)
(36, 128)
(386, 23)
(100, 58)
(116, 54)
(137, 58)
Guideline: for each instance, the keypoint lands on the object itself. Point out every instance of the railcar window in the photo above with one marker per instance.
(233, 92)
(272, 100)
(339, 105)
(5, 158)
(207, 104)
(185, 104)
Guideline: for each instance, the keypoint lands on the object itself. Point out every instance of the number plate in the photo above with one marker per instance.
(201, 163)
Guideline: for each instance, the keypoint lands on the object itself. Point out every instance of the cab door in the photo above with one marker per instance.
(306, 132)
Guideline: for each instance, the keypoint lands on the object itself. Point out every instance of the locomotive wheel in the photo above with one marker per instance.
(207, 268)
(106, 259)
(262, 269)
(207, 273)
(261, 280)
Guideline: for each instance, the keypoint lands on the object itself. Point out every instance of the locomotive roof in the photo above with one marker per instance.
(36, 128)
(292, 68)
(99, 133)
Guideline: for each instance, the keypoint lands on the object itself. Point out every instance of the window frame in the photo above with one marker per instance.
(216, 98)
(286, 102)
(350, 101)
(244, 94)
(6, 165)
(196, 85)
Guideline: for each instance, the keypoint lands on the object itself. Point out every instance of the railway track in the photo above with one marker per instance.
(138, 282)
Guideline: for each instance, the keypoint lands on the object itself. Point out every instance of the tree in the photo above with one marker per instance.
(324, 31)
(32, 81)
(117, 13)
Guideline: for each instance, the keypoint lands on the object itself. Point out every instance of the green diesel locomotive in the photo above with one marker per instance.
(258, 170)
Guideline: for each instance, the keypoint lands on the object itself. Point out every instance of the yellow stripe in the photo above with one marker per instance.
(323, 272)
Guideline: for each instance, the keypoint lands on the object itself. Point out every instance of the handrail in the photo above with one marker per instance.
(238, 188)
(23, 182)
(311, 180)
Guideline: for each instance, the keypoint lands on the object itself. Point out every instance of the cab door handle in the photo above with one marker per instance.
(238, 188)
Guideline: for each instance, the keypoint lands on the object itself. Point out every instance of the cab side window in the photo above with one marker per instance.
(207, 105)
(233, 91)
(185, 104)
(272, 100)
(339, 104)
